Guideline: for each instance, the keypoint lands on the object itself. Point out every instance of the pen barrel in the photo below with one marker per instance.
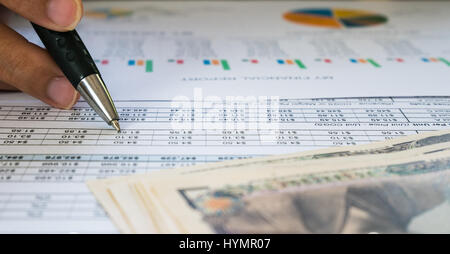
(69, 53)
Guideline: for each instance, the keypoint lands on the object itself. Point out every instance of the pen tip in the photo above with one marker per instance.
(116, 125)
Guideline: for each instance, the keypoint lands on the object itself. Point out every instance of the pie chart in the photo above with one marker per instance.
(108, 13)
(335, 17)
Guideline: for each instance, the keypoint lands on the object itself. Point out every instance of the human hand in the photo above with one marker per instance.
(29, 68)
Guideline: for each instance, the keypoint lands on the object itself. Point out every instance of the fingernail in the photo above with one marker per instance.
(62, 93)
(63, 13)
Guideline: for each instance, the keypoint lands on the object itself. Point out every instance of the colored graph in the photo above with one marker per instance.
(292, 62)
(435, 60)
(102, 62)
(253, 61)
(217, 62)
(364, 61)
(289, 64)
(335, 17)
(399, 60)
(148, 64)
(325, 60)
(177, 61)
(108, 13)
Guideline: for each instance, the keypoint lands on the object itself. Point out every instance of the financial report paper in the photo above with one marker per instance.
(290, 49)
(342, 73)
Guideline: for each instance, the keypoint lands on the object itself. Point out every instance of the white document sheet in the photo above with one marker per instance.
(288, 49)
(154, 54)
(46, 155)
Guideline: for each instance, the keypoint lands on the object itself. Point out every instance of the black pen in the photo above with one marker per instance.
(71, 55)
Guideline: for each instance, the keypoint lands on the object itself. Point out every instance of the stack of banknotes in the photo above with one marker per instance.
(396, 186)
